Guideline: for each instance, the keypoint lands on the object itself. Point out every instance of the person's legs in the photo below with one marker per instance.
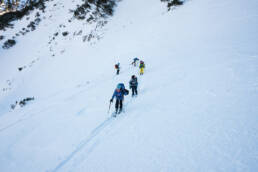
(134, 91)
(116, 106)
(121, 105)
(141, 71)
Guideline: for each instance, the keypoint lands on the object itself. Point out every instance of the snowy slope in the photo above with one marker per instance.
(197, 105)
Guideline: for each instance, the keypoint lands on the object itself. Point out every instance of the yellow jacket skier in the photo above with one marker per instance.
(142, 66)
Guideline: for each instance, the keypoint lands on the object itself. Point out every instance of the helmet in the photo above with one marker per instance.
(119, 86)
(141, 62)
(133, 76)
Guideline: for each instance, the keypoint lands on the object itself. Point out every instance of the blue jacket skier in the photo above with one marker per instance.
(119, 94)
(135, 61)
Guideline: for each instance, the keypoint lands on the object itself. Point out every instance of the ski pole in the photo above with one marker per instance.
(109, 107)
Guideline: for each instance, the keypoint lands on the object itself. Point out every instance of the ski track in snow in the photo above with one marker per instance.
(91, 138)
(85, 144)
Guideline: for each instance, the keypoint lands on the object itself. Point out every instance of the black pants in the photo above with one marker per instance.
(119, 104)
(117, 71)
(134, 90)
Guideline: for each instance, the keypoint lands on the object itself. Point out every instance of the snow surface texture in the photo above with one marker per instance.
(197, 105)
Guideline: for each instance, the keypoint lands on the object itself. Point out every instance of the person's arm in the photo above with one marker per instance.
(114, 94)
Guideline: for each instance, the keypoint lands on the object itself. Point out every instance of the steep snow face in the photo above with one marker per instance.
(197, 103)
(56, 34)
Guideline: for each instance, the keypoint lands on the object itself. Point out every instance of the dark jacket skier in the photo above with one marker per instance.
(133, 85)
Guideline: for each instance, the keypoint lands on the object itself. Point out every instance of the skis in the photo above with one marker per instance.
(114, 114)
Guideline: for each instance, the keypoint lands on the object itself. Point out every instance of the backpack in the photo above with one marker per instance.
(126, 92)
(121, 86)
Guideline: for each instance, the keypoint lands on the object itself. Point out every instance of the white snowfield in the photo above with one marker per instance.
(197, 108)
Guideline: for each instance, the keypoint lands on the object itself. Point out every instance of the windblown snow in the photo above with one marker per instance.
(198, 98)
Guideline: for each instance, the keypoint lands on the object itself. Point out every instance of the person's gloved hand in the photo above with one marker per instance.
(111, 100)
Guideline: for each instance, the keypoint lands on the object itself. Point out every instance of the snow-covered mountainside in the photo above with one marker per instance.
(198, 99)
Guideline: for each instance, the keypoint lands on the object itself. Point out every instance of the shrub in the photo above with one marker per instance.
(9, 43)
(22, 102)
(65, 33)
(104, 8)
(175, 3)
(32, 26)
(172, 3)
